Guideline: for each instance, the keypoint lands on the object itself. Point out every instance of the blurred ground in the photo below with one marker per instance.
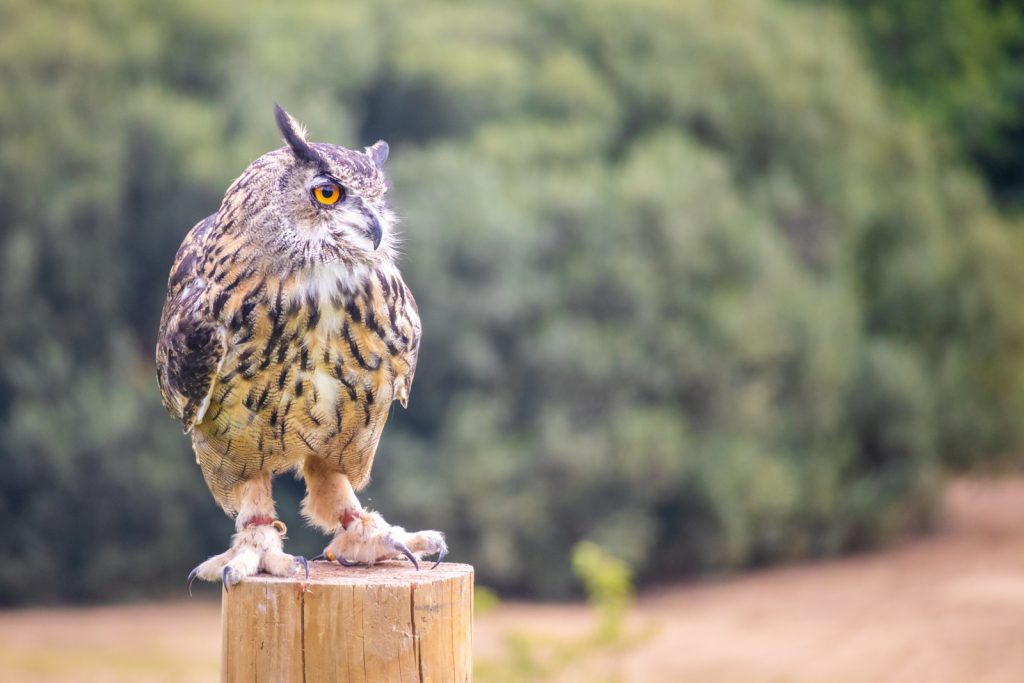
(946, 608)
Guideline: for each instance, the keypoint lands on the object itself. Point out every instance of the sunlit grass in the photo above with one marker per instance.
(125, 663)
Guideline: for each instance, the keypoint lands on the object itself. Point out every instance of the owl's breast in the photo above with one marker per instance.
(312, 367)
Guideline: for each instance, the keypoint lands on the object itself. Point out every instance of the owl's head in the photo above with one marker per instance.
(314, 202)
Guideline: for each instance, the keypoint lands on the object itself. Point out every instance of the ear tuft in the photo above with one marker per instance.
(295, 135)
(378, 151)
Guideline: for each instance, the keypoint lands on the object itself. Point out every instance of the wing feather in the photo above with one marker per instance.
(191, 343)
(413, 317)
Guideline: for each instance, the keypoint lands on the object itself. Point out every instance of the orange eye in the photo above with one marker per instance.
(327, 194)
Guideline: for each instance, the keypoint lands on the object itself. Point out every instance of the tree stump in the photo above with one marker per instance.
(383, 623)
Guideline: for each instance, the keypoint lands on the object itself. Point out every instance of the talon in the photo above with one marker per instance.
(192, 577)
(300, 560)
(346, 563)
(441, 554)
(404, 549)
(224, 578)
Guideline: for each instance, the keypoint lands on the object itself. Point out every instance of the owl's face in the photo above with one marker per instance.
(311, 203)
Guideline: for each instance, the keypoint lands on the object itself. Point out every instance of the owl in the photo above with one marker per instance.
(286, 334)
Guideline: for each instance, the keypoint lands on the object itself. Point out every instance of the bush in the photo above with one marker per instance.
(692, 286)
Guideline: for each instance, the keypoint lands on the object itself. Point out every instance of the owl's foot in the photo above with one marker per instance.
(365, 538)
(253, 549)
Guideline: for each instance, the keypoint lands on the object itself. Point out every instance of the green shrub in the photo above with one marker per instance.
(692, 285)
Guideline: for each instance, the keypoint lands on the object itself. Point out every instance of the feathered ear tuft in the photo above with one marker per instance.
(378, 151)
(295, 135)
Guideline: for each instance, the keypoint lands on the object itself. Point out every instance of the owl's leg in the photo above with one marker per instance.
(361, 536)
(257, 544)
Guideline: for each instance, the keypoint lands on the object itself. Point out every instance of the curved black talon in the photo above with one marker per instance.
(192, 577)
(299, 559)
(345, 563)
(441, 555)
(224, 578)
(404, 549)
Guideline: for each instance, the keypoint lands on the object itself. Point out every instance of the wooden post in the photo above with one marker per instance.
(384, 623)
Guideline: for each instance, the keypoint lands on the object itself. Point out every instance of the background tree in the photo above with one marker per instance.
(960, 65)
(696, 283)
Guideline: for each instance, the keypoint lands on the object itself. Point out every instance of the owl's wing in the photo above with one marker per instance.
(191, 343)
(411, 330)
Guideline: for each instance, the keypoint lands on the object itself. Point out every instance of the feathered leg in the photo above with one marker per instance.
(360, 536)
(256, 545)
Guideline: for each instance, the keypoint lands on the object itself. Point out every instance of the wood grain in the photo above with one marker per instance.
(351, 625)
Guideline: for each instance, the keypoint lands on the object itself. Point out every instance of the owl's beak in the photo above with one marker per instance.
(375, 230)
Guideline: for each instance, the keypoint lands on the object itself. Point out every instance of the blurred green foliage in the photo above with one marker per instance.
(960, 64)
(592, 656)
(696, 284)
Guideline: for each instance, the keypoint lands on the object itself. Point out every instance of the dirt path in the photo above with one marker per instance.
(944, 609)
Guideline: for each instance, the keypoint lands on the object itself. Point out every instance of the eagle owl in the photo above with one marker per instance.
(286, 334)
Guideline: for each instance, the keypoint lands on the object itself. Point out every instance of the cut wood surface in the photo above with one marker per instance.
(346, 625)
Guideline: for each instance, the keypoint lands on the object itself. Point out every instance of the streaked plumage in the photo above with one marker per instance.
(287, 330)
